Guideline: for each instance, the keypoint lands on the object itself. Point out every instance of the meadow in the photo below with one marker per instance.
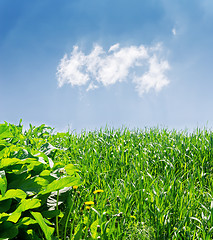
(106, 184)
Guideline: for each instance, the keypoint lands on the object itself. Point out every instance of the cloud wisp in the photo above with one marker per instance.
(144, 66)
(174, 32)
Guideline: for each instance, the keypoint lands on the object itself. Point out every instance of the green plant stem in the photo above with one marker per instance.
(67, 220)
(72, 227)
(57, 226)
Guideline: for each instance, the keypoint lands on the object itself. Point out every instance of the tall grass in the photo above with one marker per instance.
(158, 184)
(105, 184)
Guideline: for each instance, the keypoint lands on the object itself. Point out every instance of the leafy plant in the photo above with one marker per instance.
(27, 186)
(141, 184)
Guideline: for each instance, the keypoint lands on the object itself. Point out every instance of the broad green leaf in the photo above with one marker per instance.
(33, 185)
(50, 178)
(8, 230)
(26, 221)
(16, 178)
(48, 222)
(45, 173)
(5, 205)
(3, 183)
(51, 214)
(35, 165)
(41, 181)
(48, 231)
(3, 144)
(3, 215)
(13, 193)
(6, 162)
(71, 169)
(25, 204)
(61, 183)
(14, 217)
(4, 131)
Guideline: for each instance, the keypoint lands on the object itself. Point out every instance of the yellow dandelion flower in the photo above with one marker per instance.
(89, 203)
(75, 187)
(98, 191)
(87, 207)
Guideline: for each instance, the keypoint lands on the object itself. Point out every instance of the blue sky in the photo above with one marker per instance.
(82, 64)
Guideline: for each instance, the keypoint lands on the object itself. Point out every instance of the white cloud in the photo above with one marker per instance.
(114, 47)
(115, 65)
(174, 31)
(71, 70)
(154, 78)
(91, 86)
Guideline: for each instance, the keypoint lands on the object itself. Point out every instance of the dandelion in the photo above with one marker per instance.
(98, 191)
(87, 208)
(75, 187)
(89, 203)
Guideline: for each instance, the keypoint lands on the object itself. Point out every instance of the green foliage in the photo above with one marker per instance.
(28, 181)
(150, 184)
(160, 180)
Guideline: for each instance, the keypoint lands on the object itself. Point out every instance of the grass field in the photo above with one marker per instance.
(106, 184)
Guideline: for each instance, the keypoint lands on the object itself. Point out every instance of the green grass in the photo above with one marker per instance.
(158, 184)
